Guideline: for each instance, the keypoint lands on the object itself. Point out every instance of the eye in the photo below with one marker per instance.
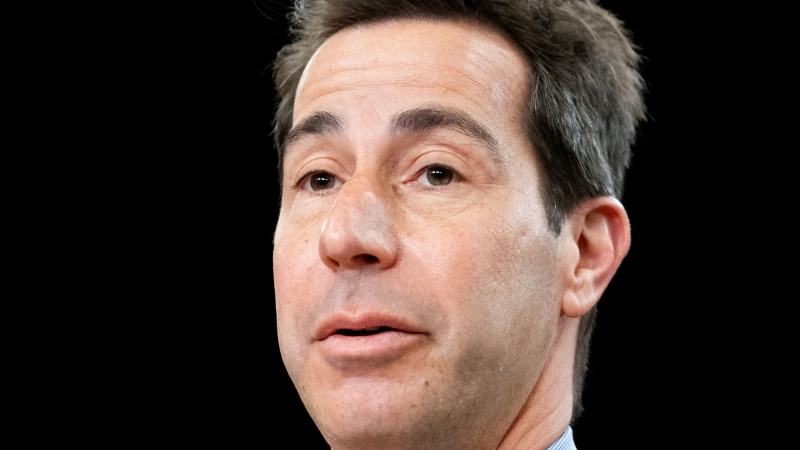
(437, 176)
(319, 181)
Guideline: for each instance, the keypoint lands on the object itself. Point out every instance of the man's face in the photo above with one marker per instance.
(417, 283)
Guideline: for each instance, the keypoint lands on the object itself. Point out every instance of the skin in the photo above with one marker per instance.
(438, 233)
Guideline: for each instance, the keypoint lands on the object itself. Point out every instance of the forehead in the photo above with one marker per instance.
(459, 64)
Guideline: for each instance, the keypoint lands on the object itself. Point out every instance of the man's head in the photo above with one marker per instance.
(448, 219)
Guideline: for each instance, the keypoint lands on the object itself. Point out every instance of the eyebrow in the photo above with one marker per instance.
(417, 120)
(321, 122)
(428, 118)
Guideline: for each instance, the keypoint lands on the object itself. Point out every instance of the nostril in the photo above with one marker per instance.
(365, 259)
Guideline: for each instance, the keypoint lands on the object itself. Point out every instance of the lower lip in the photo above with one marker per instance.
(376, 349)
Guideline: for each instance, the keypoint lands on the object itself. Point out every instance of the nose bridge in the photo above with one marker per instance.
(359, 229)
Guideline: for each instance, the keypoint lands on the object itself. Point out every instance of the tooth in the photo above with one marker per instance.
(371, 329)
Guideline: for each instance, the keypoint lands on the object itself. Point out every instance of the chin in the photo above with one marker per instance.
(375, 413)
(370, 413)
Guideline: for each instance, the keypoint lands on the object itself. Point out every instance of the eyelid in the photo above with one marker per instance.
(307, 175)
(457, 177)
(303, 178)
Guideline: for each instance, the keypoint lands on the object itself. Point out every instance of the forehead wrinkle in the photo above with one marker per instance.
(348, 76)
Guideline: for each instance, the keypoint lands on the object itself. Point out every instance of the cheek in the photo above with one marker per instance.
(494, 286)
(519, 311)
(476, 268)
(504, 277)
(287, 261)
(294, 256)
(295, 250)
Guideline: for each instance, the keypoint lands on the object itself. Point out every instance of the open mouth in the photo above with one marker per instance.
(348, 328)
(366, 341)
(363, 331)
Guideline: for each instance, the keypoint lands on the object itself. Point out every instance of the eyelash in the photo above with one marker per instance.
(456, 175)
(302, 179)
(309, 174)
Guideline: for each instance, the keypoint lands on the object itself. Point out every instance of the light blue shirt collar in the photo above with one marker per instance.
(565, 442)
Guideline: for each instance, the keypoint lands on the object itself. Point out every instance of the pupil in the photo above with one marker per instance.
(439, 176)
(321, 181)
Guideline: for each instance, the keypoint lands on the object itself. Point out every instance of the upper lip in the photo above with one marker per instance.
(362, 321)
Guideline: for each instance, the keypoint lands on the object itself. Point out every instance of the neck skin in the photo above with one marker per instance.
(548, 410)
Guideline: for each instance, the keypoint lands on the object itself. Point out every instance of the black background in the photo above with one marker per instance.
(201, 365)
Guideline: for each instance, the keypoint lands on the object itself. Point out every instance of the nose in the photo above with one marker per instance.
(359, 230)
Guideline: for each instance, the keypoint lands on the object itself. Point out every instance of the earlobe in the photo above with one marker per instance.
(598, 238)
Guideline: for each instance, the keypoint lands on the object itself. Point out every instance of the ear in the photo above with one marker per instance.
(597, 237)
